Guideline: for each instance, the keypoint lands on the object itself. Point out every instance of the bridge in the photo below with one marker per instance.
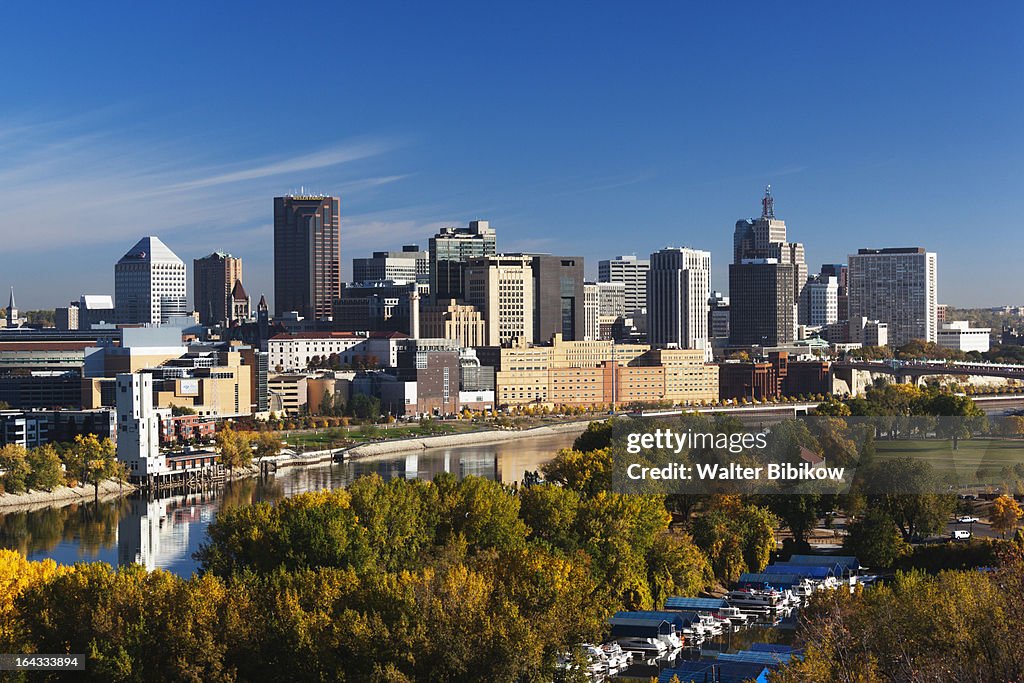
(905, 371)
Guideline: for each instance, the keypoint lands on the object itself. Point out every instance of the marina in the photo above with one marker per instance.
(743, 635)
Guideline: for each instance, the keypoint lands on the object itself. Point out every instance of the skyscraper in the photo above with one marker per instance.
(450, 249)
(557, 298)
(840, 271)
(761, 306)
(822, 300)
(765, 238)
(307, 254)
(630, 271)
(897, 286)
(213, 279)
(149, 284)
(501, 287)
(678, 287)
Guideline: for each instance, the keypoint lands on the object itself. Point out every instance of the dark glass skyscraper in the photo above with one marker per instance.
(761, 303)
(450, 249)
(558, 297)
(307, 254)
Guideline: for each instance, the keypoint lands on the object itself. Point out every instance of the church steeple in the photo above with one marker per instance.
(12, 310)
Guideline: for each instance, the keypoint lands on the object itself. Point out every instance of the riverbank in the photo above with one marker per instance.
(456, 440)
(61, 496)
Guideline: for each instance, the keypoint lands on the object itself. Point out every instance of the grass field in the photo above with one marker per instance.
(984, 457)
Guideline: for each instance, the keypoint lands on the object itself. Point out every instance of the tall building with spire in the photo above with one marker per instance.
(307, 255)
(149, 284)
(760, 244)
(240, 304)
(12, 311)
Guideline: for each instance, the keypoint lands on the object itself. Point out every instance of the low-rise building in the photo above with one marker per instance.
(601, 373)
(960, 336)
(296, 352)
(182, 429)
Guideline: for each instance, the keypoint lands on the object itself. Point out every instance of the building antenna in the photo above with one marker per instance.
(768, 203)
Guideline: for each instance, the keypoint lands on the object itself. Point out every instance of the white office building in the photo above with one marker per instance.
(678, 288)
(960, 336)
(149, 284)
(501, 287)
(822, 296)
(631, 272)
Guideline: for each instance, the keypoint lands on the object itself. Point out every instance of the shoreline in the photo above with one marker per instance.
(490, 436)
(62, 496)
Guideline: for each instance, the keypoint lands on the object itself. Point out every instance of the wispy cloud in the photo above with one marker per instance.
(60, 184)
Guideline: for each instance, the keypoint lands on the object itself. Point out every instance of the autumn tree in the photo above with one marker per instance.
(235, 449)
(266, 445)
(1006, 513)
(45, 468)
(14, 462)
(585, 471)
(95, 456)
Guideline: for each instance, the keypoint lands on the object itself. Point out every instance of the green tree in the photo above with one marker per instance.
(235, 449)
(97, 458)
(585, 471)
(598, 435)
(676, 566)
(833, 406)
(364, 407)
(14, 462)
(327, 403)
(908, 490)
(45, 468)
(876, 540)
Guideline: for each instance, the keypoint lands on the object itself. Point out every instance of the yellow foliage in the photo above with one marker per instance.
(16, 575)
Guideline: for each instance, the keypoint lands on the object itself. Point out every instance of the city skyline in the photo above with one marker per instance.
(670, 146)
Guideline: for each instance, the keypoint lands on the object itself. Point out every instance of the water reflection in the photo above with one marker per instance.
(166, 532)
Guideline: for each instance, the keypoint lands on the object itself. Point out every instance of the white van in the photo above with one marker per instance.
(961, 534)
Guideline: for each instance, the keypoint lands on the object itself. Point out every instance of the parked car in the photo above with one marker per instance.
(961, 534)
(966, 519)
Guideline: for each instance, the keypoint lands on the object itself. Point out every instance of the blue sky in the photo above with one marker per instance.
(585, 128)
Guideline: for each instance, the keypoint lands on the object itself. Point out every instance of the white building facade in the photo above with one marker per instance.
(138, 426)
(632, 273)
(822, 296)
(501, 287)
(294, 352)
(678, 287)
(960, 336)
(149, 284)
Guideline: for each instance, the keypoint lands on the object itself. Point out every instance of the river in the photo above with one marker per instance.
(164, 533)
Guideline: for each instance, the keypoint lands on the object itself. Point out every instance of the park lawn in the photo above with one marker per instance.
(985, 456)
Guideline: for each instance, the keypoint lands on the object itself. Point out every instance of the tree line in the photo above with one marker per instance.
(953, 626)
(86, 460)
